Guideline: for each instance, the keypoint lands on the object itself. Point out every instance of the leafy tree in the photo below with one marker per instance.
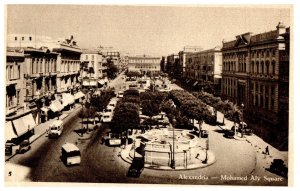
(126, 116)
(112, 69)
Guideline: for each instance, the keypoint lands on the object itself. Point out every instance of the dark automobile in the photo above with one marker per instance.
(229, 133)
(136, 168)
(278, 167)
(8, 148)
(204, 134)
(23, 147)
(246, 131)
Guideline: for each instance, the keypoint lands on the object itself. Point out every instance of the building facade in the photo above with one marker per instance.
(172, 66)
(205, 67)
(182, 57)
(39, 81)
(255, 73)
(92, 68)
(144, 64)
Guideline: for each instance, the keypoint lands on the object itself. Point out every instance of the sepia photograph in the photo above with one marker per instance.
(148, 94)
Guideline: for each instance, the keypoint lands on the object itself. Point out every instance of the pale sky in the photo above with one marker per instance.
(156, 30)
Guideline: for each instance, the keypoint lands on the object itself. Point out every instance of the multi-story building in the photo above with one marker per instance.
(204, 68)
(43, 77)
(93, 68)
(182, 57)
(68, 65)
(255, 73)
(19, 118)
(144, 64)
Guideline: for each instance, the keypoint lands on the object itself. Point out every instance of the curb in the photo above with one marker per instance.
(166, 168)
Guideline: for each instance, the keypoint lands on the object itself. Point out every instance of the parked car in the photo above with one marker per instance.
(229, 133)
(278, 167)
(23, 147)
(136, 168)
(8, 148)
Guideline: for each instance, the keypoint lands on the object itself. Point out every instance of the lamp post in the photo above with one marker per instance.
(242, 105)
(206, 149)
(173, 147)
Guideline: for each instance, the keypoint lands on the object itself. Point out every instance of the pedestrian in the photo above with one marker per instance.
(267, 151)
(197, 155)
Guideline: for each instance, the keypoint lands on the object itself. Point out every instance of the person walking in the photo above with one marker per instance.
(267, 151)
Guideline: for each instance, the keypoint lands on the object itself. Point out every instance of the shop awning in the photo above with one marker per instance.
(102, 82)
(9, 131)
(56, 106)
(29, 121)
(195, 83)
(89, 83)
(78, 95)
(20, 126)
(67, 99)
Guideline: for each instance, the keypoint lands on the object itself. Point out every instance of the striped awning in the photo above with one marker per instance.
(78, 95)
(9, 131)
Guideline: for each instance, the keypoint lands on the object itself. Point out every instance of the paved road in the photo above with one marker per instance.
(101, 164)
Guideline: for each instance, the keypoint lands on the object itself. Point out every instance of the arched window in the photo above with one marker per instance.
(268, 53)
(267, 67)
(257, 67)
(262, 67)
(252, 67)
(273, 67)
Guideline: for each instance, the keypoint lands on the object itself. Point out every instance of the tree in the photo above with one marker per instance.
(126, 116)
(112, 69)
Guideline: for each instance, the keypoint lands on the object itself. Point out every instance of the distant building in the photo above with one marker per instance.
(144, 64)
(256, 72)
(204, 68)
(93, 69)
(172, 66)
(182, 57)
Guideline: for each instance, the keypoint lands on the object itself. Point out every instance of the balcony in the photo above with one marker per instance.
(11, 109)
(52, 73)
(36, 75)
(11, 82)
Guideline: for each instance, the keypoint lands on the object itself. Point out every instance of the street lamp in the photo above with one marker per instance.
(242, 105)
(206, 149)
(173, 158)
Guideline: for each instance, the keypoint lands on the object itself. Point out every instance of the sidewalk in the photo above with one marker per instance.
(259, 145)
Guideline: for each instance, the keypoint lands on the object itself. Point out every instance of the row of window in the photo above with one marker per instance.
(23, 38)
(89, 56)
(13, 71)
(255, 67)
(146, 67)
(148, 61)
(254, 54)
(37, 65)
(268, 90)
(13, 100)
(69, 66)
(201, 58)
(261, 101)
(229, 87)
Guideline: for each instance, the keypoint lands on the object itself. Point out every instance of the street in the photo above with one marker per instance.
(102, 164)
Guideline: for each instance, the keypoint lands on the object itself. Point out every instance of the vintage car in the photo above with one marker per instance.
(278, 167)
(229, 133)
(136, 168)
(23, 147)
